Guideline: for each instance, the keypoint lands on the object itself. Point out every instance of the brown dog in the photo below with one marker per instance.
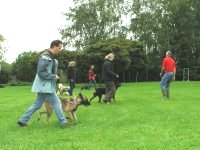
(68, 105)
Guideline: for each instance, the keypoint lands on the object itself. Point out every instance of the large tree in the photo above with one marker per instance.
(168, 25)
(91, 21)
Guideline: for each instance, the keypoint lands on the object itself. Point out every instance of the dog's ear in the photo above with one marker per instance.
(71, 99)
(81, 95)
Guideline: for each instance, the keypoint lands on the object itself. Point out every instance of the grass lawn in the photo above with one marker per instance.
(140, 119)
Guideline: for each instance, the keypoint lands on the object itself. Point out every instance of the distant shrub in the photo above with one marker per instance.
(19, 83)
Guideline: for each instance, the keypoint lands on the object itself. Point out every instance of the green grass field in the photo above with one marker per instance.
(140, 119)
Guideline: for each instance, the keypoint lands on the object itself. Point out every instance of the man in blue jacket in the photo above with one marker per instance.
(44, 84)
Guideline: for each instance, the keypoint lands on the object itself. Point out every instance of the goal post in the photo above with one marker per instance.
(186, 74)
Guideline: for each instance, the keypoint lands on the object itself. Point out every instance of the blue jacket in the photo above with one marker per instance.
(45, 79)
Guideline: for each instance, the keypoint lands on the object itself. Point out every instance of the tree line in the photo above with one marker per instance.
(129, 56)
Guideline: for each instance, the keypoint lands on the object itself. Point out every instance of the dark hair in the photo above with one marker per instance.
(55, 43)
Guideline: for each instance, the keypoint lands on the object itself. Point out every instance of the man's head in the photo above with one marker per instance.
(56, 46)
(92, 67)
(110, 56)
(168, 53)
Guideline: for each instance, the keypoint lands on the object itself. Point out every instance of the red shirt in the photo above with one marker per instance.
(169, 64)
(91, 75)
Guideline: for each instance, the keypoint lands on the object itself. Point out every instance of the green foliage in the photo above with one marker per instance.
(168, 25)
(91, 21)
(25, 66)
(19, 83)
(129, 55)
(2, 48)
(5, 72)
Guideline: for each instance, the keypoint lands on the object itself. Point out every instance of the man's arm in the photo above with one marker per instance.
(174, 73)
(108, 70)
(162, 71)
(42, 70)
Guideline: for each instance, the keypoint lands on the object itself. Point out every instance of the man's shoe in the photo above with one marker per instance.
(21, 124)
(67, 124)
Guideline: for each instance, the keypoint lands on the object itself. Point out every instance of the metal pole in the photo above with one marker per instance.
(137, 76)
(123, 77)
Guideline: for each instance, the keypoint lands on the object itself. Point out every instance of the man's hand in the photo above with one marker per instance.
(161, 74)
(57, 77)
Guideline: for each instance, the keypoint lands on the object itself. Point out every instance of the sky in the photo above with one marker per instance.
(31, 25)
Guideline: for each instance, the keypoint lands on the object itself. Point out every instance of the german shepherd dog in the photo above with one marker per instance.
(102, 90)
(68, 105)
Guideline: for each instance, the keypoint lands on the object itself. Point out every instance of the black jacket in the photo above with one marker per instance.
(107, 72)
(70, 73)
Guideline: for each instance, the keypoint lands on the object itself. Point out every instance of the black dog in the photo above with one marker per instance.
(101, 91)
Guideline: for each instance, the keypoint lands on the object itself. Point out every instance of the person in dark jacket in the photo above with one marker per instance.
(71, 77)
(108, 76)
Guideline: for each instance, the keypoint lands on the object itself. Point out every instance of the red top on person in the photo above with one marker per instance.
(169, 64)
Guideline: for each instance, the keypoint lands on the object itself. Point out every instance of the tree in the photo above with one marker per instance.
(168, 25)
(91, 21)
(25, 66)
(2, 48)
(5, 73)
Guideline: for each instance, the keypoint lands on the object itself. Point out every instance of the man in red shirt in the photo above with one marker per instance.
(169, 70)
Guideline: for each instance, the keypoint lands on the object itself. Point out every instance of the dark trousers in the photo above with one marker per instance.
(72, 86)
(90, 83)
(110, 90)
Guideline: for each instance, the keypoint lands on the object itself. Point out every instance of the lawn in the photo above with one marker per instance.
(140, 119)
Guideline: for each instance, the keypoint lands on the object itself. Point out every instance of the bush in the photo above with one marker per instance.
(4, 77)
(19, 83)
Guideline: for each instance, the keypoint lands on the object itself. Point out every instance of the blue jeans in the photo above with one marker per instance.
(167, 78)
(41, 97)
(90, 82)
(72, 86)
